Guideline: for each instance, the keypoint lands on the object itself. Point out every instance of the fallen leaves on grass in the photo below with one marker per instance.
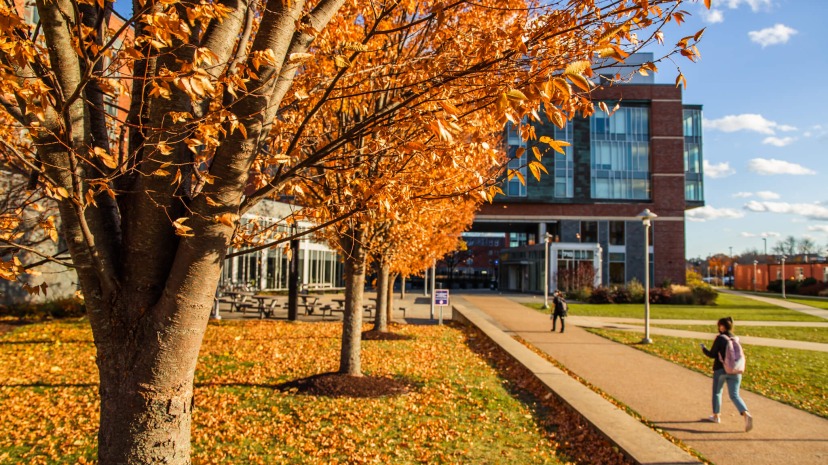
(457, 410)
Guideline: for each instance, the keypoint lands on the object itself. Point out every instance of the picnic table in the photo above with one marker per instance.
(341, 307)
(309, 302)
(238, 300)
(267, 304)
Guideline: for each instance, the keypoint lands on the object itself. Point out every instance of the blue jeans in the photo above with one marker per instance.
(733, 382)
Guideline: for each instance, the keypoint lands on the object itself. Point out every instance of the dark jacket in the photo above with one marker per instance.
(559, 304)
(717, 352)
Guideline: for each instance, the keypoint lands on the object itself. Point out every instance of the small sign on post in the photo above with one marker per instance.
(441, 298)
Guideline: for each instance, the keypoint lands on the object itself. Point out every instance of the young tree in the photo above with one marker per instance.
(226, 103)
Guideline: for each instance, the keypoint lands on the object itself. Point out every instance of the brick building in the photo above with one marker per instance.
(747, 277)
(646, 154)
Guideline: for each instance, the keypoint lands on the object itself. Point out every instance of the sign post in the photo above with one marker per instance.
(441, 298)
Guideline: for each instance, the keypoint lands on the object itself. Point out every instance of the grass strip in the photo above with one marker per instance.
(790, 333)
(738, 307)
(794, 377)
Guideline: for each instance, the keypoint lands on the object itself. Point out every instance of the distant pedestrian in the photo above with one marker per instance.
(560, 309)
(718, 353)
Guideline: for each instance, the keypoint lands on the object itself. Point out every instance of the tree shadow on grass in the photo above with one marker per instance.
(342, 385)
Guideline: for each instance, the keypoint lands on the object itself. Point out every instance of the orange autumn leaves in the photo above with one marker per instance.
(458, 412)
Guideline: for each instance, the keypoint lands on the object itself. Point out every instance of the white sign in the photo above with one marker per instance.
(441, 297)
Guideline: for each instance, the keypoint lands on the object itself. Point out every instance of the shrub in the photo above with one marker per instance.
(681, 295)
(705, 294)
(67, 307)
(812, 289)
(621, 295)
(693, 279)
(601, 295)
(636, 290)
(581, 294)
(660, 295)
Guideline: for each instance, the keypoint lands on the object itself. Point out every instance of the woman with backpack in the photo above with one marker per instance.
(726, 341)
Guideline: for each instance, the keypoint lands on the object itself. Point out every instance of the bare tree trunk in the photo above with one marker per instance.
(381, 315)
(146, 373)
(402, 288)
(350, 360)
(390, 297)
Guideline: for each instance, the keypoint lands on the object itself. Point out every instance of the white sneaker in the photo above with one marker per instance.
(748, 422)
(713, 419)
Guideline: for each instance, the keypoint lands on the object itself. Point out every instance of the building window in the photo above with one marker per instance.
(799, 272)
(589, 231)
(693, 162)
(621, 154)
(617, 268)
(564, 165)
(516, 149)
(518, 239)
(616, 232)
(825, 275)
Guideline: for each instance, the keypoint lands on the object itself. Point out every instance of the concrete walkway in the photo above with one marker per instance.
(672, 397)
(796, 306)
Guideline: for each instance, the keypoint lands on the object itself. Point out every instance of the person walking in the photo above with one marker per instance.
(559, 310)
(720, 376)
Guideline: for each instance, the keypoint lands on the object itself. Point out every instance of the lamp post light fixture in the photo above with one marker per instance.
(547, 238)
(755, 262)
(646, 217)
(783, 276)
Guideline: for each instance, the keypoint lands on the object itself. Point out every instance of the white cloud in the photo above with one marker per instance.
(719, 170)
(707, 212)
(764, 195)
(747, 234)
(778, 141)
(767, 195)
(712, 16)
(823, 228)
(765, 166)
(778, 34)
(770, 234)
(746, 122)
(811, 211)
(755, 5)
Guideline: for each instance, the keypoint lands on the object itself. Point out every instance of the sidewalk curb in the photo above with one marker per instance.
(638, 442)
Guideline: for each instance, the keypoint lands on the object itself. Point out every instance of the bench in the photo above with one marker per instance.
(403, 309)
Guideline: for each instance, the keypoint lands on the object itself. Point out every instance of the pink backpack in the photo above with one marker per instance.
(734, 359)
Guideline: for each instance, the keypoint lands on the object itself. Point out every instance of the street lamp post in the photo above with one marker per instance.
(755, 262)
(546, 239)
(646, 216)
(783, 277)
(732, 268)
(765, 240)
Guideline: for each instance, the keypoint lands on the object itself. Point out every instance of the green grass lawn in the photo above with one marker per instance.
(790, 333)
(818, 303)
(459, 410)
(738, 307)
(795, 377)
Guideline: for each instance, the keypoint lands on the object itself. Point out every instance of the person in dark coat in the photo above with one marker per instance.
(559, 310)
(720, 377)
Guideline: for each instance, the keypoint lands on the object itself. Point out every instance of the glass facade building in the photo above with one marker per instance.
(620, 154)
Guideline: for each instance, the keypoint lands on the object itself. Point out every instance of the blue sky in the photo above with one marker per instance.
(763, 82)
